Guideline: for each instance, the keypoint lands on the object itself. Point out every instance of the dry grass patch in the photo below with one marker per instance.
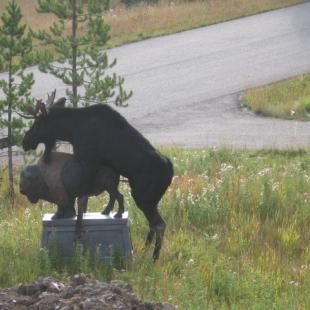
(173, 16)
(142, 21)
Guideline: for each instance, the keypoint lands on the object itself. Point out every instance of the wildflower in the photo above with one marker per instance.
(225, 167)
(264, 171)
(275, 186)
(27, 212)
(215, 237)
(204, 191)
(175, 178)
(294, 283)
(190, 262)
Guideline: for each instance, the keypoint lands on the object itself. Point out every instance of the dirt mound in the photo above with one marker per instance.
(83, 293)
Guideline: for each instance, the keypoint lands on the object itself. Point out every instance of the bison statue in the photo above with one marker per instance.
(61, 181)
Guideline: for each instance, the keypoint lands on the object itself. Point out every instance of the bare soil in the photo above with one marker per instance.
(81, 293)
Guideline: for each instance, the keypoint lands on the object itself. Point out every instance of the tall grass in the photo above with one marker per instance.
(238, 234)
(288, 99)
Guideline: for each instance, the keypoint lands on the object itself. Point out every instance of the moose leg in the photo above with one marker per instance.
(82, 204)
(147, 203)
(157, 228)
(48, 149)
(111, 203)
(149, 237)
(82, 208)
(120, 201)
(160, 231)
(115, 195)
(147, 190)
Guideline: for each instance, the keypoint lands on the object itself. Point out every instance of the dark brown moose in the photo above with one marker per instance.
(102, 137)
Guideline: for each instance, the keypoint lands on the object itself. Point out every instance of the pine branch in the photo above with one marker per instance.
(84, 63)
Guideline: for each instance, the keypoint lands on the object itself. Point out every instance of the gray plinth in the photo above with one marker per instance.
(104, 235)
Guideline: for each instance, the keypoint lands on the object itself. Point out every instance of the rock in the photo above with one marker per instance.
(28, 290)
(79, 279)
(167, 307)
(51, 286)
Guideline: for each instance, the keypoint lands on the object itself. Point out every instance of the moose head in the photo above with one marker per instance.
(39, 131)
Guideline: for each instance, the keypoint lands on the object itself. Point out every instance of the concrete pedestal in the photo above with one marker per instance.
(104, 235)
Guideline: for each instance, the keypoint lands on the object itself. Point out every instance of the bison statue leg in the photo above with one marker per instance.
(65, 210)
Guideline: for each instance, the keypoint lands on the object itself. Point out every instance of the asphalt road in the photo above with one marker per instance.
(187, 85)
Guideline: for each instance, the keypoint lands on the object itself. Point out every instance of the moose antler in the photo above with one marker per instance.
(42, 107)
(32, 111)
(50, 99)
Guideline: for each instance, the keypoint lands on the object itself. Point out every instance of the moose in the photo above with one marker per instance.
(101, 136)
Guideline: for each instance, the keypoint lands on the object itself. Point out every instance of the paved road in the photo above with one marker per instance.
(187, 85)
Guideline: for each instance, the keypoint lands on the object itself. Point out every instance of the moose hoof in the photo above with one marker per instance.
(118, 215)
(105, 212)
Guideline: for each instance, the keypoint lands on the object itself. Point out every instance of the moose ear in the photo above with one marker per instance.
(60, 103)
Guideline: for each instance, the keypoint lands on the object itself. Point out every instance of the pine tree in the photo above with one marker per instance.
(15, 55)
(79, 38)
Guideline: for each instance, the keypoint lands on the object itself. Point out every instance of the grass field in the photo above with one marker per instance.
(289, 99)
(238, 234)
(143, 21)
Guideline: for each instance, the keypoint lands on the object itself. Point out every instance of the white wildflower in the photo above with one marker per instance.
(225, 167)
(296, 283)
(275, 185)
(215, 237)
(190, 262)
(264, 171)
